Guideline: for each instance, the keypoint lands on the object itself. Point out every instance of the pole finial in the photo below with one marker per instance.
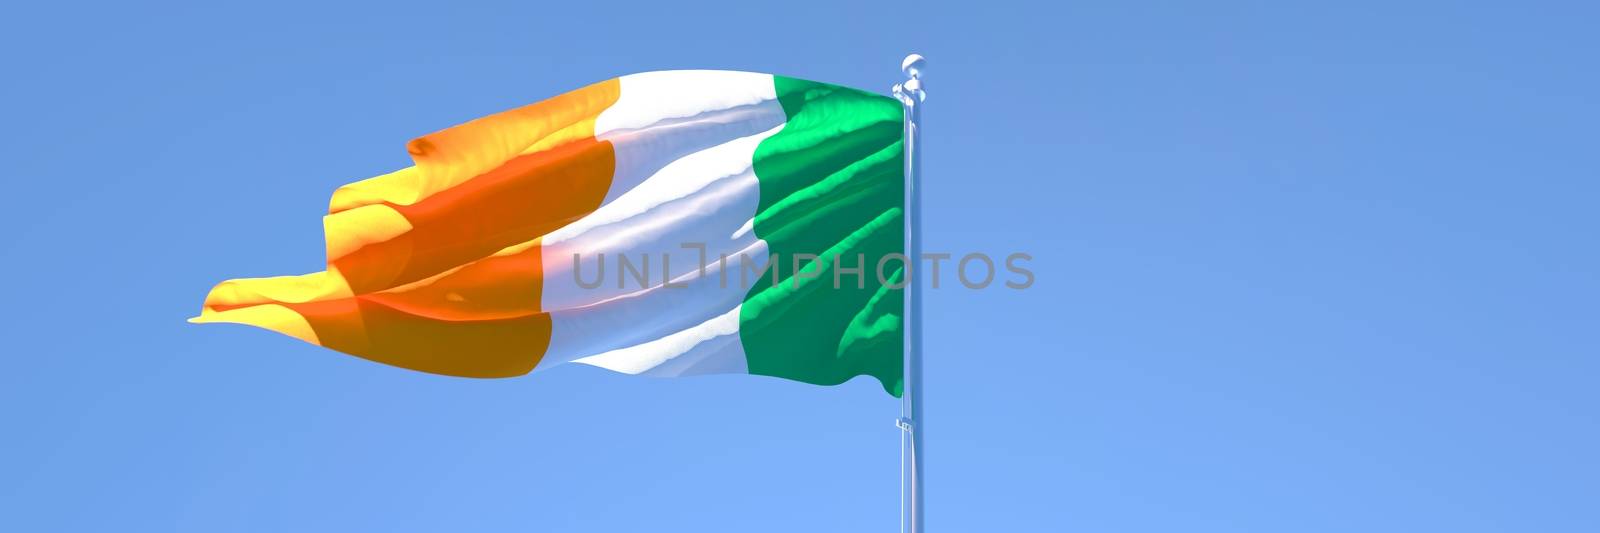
(910, 92)
(913, 66)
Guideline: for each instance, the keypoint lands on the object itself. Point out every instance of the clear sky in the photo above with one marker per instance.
(1299, 268)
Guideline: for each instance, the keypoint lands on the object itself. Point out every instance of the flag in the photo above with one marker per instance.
(665, 223)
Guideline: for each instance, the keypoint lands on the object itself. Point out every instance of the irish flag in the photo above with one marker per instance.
(665, 224)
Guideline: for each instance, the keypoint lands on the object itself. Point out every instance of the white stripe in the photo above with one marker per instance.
(711, 347)
(700, 189)
(704, 198)
(646, 316)
(662, 116)
(651, 97)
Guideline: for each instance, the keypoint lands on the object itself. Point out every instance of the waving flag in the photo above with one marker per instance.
(625, 225)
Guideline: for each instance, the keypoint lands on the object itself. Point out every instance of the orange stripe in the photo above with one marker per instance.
(547, 171)
(479, 320)
(437, 267)
(454, 155)
(529, 196)
(369, 329)
(505, 285)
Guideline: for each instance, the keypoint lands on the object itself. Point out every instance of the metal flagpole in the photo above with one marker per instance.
(911, 95)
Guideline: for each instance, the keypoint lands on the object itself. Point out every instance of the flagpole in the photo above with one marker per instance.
(911, 95)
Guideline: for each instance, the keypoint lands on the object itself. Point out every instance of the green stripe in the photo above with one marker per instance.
(832, 182)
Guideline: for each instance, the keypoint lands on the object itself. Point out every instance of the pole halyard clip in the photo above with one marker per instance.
(904, 424)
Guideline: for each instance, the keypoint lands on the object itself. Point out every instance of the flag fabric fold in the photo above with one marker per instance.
(666, 223)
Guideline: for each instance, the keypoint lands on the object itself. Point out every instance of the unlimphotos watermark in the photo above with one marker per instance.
(845, 271)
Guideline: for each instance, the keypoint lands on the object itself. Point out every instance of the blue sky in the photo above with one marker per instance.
(1299, 268)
